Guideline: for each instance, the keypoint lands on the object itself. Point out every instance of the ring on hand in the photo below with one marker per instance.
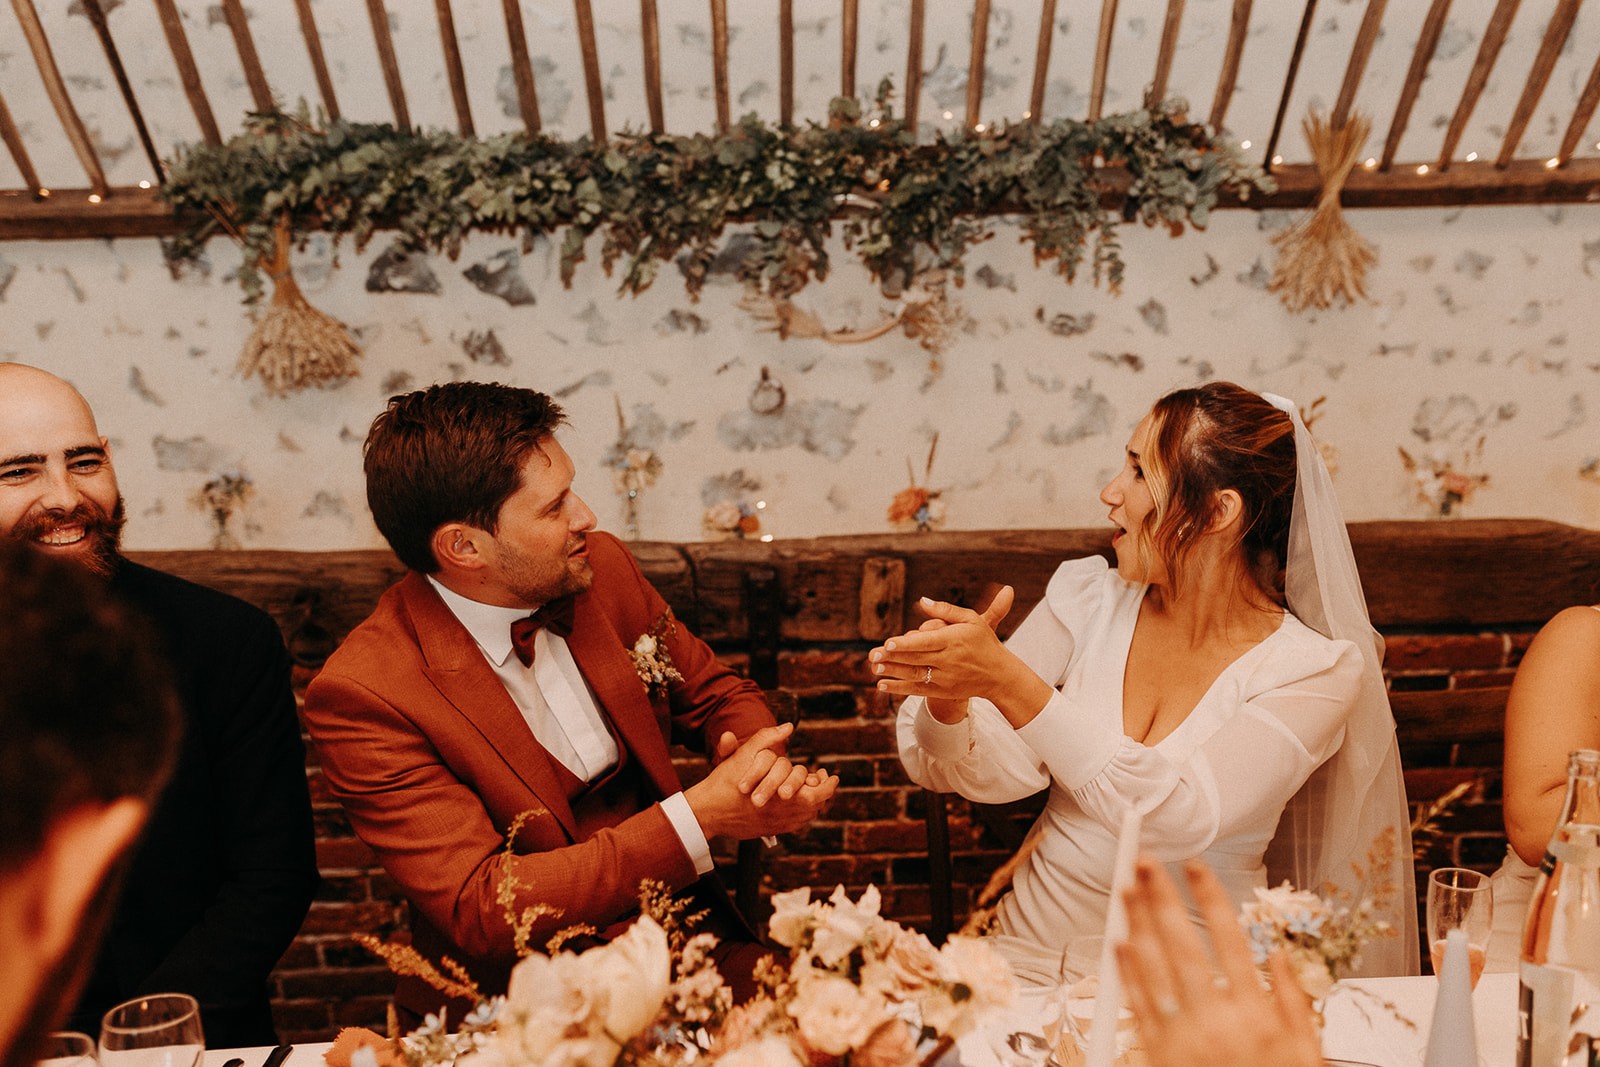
(927, 676)
(1167, 1006)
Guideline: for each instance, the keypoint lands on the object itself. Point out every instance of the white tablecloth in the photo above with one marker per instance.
(1359, 1027)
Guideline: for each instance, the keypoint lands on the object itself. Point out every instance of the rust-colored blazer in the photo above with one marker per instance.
(432, 762)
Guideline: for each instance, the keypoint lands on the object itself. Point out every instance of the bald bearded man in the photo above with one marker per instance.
(225, 872)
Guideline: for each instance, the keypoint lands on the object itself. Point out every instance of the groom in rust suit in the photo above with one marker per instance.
(496, 680)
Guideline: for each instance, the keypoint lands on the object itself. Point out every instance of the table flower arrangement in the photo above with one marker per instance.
(858, 990)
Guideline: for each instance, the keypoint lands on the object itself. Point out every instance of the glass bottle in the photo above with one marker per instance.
(1559, 998)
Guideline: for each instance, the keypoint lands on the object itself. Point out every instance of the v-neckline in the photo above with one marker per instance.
(1127, 650)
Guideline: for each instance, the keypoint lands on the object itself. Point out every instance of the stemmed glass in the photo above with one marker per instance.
(1080, 984)
(161, 1030)
(1460, 899)
(67, 1048)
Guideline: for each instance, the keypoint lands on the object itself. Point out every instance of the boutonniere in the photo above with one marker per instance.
(652, 660)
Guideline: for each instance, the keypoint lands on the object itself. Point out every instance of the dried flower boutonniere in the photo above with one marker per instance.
(651, 658)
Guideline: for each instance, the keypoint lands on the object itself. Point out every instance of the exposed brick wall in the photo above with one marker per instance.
(874, 831)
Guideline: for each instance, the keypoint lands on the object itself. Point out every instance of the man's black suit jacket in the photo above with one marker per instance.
(222, 879)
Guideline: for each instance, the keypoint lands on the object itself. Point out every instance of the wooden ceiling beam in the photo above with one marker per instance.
(378, 15)
(914, 36)
(19, 151)
(454, 72)
(97, 18)
(1581, 114)
(1102, 59)
(1164, 54)
(850, 31)
(1288, 83)
(594, 89)
(319, 62)
(650, 32)
(1238, 27)
(786, 62)
(521, 65)
(1494, 37)
(188, 72)
(1360, 52)
(1421, 56)
(1041, 61)
(244, 43)
(980, 48)
(56, 87)
(1556, 32)
(719, 63)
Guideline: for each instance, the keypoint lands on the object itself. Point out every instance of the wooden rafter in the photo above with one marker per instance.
(1488, 51)
(593, 88)
(980, 45)
(378, 15)
(521, 65)
(453, 70)
(1288, 82)
(56, 87)
(719, 63)
(1228, 78)
(188, 73)
(1102, 58)
(319, 62)
(1555, 38)
(1427, 44)
(97, 18)
(914, 60)
(1041, 60)
(1581, 114)
(1360, 52)
(244, 43)
(849, 30)
(18, 150)
(1169, 46)
(786, 62)
(650, 31)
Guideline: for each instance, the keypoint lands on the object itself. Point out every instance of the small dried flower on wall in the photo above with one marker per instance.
(1445, 483)
(633, 470)
(221, 498)
(919, 507)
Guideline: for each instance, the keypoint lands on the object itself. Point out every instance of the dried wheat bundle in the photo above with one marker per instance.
(1322, 257)
(294, 345)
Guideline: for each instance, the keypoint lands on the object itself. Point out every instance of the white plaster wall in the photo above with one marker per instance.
(1481, 325)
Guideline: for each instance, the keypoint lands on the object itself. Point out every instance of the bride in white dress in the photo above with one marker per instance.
(1176, 683)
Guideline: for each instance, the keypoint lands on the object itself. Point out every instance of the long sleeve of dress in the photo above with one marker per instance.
(1265, 725)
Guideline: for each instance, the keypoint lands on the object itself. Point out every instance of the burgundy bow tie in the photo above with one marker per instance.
(555, 616)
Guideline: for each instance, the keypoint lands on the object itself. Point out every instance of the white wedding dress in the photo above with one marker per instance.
(1215, 787)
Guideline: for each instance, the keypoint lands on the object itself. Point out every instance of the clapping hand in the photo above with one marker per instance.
(753, 790)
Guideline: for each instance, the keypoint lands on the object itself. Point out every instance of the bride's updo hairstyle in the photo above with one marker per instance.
(1213, 437)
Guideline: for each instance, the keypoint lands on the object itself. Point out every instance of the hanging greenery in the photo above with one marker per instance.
(656, 198)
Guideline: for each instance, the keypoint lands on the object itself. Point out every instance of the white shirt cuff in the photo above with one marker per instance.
(945, 742)
(676, 807)
(1075, 749)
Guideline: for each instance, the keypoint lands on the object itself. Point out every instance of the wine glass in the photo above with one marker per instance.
(1459, 899)
(1080, 986)
(160, 1030)
(67, 1048)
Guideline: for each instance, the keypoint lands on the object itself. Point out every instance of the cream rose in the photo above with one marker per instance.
(833, 1015)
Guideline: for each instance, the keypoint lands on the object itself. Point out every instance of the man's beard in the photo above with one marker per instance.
(101, 532)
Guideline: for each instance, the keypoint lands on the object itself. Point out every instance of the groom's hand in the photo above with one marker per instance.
(754, 791)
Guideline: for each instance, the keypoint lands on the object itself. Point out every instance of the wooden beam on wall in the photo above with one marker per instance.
(188, 73)
(1494, 37)
(1102, 58)
(594, 89)
(650, 32)
(56, 87)
(1288, 82)
(1556, 33)
(455, 74)
(378, 15)
(67, 215)
(719, 63)
(1041, 60)
(1522, 181)
(1421, 56)
(319, 62)
(244, 43)
(19, 151)
(980, 46)
(1360, 52)
(849, 33)
(521, 66)
(1581, 114)
(1169, 45)
(786, 62)
(914, 61)
(1238, 28)
(97, 18)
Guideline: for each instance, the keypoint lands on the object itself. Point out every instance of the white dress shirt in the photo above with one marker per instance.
(558, 706)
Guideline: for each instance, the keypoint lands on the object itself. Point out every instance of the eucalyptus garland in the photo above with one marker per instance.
(903, 205)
